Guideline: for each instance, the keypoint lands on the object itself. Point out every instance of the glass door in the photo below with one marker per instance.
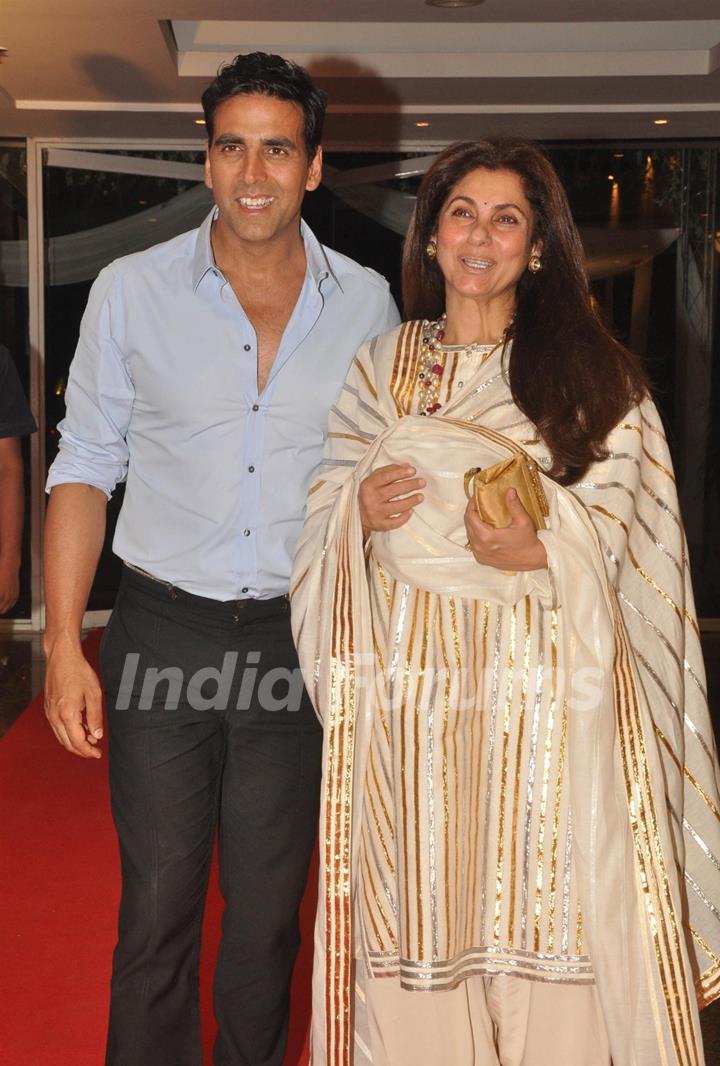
(14, 336)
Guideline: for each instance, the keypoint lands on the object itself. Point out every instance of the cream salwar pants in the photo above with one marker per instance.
(486, 1021)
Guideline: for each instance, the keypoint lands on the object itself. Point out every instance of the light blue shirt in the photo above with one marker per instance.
(163, 392)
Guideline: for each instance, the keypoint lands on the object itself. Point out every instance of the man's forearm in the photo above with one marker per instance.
(74, 533)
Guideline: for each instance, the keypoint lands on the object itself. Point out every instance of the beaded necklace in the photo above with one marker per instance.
(431, 369)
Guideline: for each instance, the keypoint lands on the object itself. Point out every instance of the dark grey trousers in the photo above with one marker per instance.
(185, 762)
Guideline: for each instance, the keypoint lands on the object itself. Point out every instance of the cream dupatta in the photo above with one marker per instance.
(641, 759)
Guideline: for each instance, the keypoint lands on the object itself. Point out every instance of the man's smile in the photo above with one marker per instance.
(255, 203)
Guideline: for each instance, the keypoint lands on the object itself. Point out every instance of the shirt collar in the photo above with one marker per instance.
(317, 260)
(203, 260)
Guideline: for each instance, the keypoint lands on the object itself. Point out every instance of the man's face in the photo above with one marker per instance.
(257, 167)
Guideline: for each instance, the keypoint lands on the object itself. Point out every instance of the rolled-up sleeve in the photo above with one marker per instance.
(99, 397)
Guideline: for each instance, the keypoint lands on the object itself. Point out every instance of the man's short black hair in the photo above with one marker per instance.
(268, 75)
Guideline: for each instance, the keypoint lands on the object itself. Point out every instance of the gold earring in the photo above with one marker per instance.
(535, 264)
(431, 248)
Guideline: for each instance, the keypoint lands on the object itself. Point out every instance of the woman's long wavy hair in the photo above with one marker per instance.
(567, 373)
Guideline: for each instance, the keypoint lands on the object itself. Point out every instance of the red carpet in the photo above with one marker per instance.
(59, 889)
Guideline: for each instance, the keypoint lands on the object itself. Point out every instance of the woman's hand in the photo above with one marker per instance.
(514, 547)
(380, 506)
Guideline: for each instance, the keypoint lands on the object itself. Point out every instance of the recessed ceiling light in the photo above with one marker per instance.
(422, 125)
(660, 121)
(199, 121)
(453, 3)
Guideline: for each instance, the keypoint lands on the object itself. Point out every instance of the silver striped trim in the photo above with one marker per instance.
(701, 844)
(701, 895)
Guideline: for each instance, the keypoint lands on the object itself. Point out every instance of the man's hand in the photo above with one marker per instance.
(388, 496)
(9, 583)
(73, 700)
(513, 547)
(74, 531)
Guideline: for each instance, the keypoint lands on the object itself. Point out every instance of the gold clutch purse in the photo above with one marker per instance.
(489, 487)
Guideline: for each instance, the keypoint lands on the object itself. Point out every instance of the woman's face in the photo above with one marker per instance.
(484, 235)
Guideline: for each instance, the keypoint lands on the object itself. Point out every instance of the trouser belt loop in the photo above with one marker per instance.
(171, 590)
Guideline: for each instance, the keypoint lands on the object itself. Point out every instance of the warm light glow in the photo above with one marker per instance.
(614, 212)
(611, 177)
(647, 196)
(661, 121)
(422, 125)
(199, 121)
(618, 155)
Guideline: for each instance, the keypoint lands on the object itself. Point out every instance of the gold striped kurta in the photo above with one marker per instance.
(466, 854)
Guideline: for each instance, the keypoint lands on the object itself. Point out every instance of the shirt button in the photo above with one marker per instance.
(251, 469)
(246, 347)
(256, 407)
(246, 532)
(244, 590)
(460, 384)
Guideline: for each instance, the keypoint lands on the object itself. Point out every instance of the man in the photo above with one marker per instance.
(15, 422)
(204, 374)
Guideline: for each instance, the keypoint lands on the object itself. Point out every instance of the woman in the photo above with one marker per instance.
(519, 837)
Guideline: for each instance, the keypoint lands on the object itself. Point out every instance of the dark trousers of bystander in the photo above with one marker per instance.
(210, 730)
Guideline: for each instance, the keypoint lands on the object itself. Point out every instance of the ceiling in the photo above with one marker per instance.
(136, 68)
